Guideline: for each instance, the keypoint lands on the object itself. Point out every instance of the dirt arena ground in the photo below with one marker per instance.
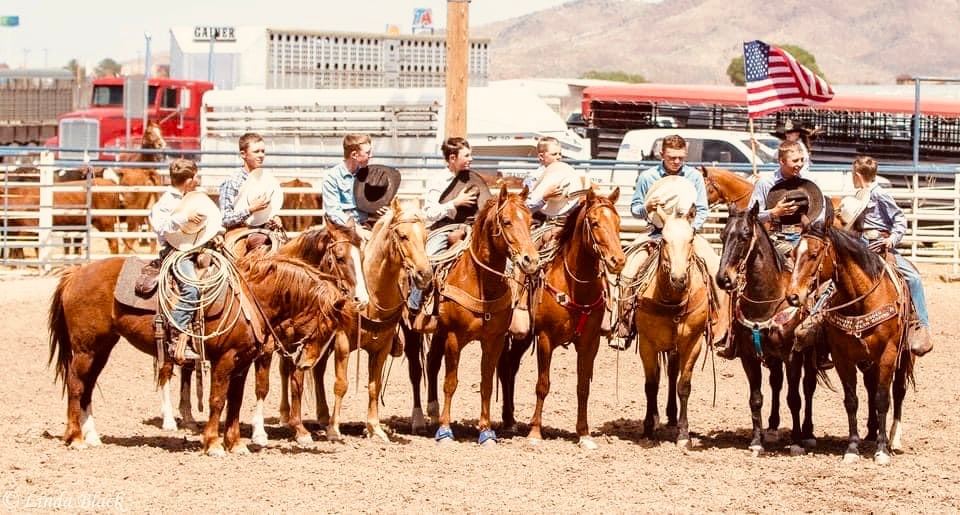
(141, 468)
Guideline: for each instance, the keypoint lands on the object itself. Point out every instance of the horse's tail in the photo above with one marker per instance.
(60, 330)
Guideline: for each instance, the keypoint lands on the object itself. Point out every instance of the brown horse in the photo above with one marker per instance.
(144, 173)
(763, 331)
(726, 187)
(86, 322)
(476, 303)
(672, 309)
(570, 307)
(300, 200)
(865, 326)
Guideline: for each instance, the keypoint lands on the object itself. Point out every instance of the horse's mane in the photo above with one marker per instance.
(763, 237)
(310, 245)
(729, 174)
(303, 286)
(848, 245)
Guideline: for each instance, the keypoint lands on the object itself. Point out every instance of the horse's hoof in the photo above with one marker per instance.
(534, 441)
(771, 435)
(169, 425)
(851, 457)
(586, 443)
(304, 440)
(433, 409)
(77, 445)
(756, 450)
(334, 435)
(378, 433)
(881, 458)
(684, 444)
(259, 439)
(92, 439)
(418, 424)
(797, 450)
(487, 437)
(216, 452)
(443, 435)
(240, 450)
(809, 443)
(284, 419)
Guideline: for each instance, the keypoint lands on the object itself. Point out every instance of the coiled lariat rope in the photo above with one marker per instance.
(220, 275)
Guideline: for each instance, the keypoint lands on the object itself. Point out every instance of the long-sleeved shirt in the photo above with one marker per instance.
(339, 202)
(882, 213)
(762, 188)
(161, 216)
(433, 209)
(229, 190)
(645, 180)
(535, 203)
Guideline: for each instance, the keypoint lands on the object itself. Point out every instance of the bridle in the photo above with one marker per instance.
(395, 236)
(711, 182)
(591, 242)
(827, 244)
(512, 246)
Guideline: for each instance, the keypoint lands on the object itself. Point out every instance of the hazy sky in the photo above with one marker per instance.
(52, 32)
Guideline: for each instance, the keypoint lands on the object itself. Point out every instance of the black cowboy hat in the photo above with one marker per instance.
(467, 179)
(790, 125)
(375, 187)
(805, 193)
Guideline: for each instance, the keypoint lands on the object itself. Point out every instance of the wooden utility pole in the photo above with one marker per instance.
(458, 73)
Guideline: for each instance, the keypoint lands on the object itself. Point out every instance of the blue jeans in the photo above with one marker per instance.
(912, 277)
(436, 243)
(183, 311)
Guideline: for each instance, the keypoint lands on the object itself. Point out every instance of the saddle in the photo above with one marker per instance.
(138, 276)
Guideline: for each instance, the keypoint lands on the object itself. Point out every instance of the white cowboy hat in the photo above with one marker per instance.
(191, 235)
(851, 208)
(571, 182)
(677, 194)
(260, 182)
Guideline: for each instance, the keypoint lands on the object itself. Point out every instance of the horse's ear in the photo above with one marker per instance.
(691, 213)
(703, 170)
(395, 205)
(614, 195)
(755, 209)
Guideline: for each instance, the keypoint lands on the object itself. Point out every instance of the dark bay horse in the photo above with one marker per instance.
(763, 325)
(866, 321)
(476, 303)
(569, 308)
(86, 322)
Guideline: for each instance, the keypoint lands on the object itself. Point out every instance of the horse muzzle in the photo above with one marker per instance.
(528, 263)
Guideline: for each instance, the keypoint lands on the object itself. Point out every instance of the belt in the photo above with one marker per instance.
(791, 229)
(875, 234)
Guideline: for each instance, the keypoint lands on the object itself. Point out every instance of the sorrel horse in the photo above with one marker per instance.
(141, 175)
(726, 187)
(86, 322)
(300, 200)
(569, 308)
(476, 303)
(673, 301)
(395, 252)
(866, 321)
(754, 272)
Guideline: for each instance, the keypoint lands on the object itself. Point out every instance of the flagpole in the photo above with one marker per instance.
(753, 146)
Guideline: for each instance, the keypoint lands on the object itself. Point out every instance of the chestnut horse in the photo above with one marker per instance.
(754, 272)
(476, 303)
(147, 175)
(86, 322)
(300, 200)
(570, 307)
(726, 187)
(866, 321)
(673, 301)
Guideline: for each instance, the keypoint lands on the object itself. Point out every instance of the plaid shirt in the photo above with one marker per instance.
(229, 189)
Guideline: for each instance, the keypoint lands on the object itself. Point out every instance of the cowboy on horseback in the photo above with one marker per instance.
(673, 150)
(450, 204)
(874, 215)
(249, 197)
(184, 219)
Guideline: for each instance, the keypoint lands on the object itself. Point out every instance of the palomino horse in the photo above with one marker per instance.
(764, 324)
(141, 176)
(476, 303)
(570, 307)
(673, 299)
(395, 252)
(866, 322)
(86, 322)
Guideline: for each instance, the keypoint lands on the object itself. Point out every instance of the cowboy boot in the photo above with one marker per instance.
(919, 339)
(181, 349)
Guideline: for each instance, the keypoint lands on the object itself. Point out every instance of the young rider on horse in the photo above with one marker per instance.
(443, 208)
(673, 150)
(881, 225)
(252, 152)
(166, 219)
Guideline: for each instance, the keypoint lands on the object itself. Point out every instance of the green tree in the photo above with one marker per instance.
(614, 75)
(735, 69)
(78, 71)
(107, 68)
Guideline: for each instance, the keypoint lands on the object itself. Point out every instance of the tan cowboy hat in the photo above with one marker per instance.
(191, 235)
(677, 193)
(851, 208)
(571, 182)
(258, 182)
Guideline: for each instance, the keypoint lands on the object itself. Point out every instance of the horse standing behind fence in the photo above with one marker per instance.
(476, 303)
(865, 325)
(300, 200)
(763, 326)
(569, 308)
(86, 322)
(147, 176)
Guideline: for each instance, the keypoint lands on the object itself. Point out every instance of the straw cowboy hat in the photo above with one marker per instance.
(375, 187)
(190, 235)
(260, 182)
(571, 182)
(852, 207)
(805, 193)
(677, 194)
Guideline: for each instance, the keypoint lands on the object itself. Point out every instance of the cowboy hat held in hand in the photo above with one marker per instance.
(260, 183)
(375, 187)
(568, 181)
(195, 205)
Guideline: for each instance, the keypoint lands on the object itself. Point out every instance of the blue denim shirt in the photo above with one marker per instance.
(645, 180)
(339, 204)
(882, 213)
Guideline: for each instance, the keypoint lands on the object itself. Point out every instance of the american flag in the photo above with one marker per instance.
(775, 80)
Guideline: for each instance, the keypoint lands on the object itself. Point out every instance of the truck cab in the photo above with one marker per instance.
(174, 104)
